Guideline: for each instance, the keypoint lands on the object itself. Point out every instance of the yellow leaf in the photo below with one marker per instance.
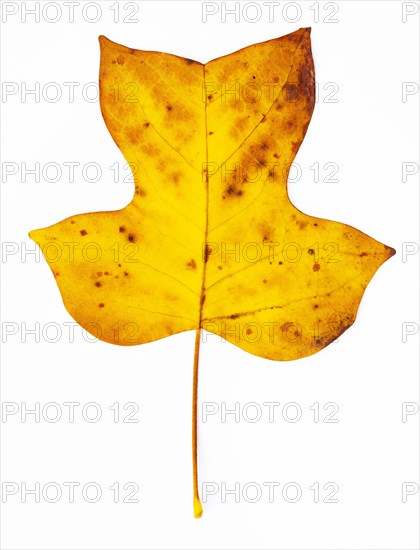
(211, 240)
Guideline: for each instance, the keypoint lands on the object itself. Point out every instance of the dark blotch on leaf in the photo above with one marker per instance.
(231, 190)
(83, 232)
(207, 251)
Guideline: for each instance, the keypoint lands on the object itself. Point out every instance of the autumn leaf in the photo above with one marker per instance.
(211, 240)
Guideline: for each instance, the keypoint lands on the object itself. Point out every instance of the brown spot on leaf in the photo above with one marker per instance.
(291, 92)
(207, 251)
(132, 238)
(316, 267)
(232, 190)
(266, 230)
(101, 305)
(120, 60)
(133, 134)
(83, 232)
(122, 229)
(98, 284)
(191, 264)
(176, 177)
(295, 146)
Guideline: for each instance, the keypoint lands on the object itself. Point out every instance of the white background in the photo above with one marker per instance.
(370, 372)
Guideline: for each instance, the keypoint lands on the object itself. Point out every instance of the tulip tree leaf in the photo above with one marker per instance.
(210, 239)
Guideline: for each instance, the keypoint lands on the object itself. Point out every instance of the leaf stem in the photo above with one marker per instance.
(198, 509)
